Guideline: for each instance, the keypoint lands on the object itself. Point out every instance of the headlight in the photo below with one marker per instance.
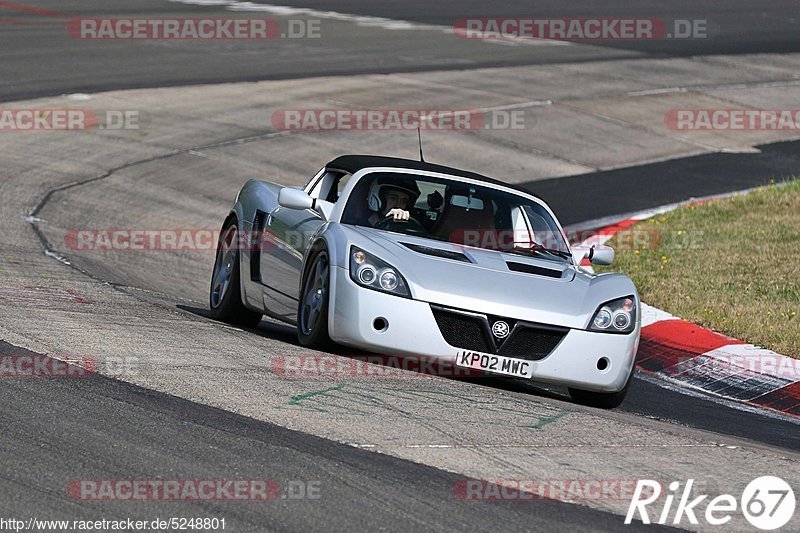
(366, 274)
(373, 273)
(616, 316)
(603, 318)
(388, 279)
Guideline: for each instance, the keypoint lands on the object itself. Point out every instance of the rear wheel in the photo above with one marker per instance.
(312, 311)
(603, 400)
(225, 298)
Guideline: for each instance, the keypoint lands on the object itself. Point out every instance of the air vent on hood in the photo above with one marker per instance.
(533, 269)
(438, 252)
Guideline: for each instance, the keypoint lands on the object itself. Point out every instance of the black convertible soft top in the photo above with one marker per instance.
(354, 163)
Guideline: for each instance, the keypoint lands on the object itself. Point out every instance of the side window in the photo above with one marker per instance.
(330, 185)
(544, 228)
(338, 186)
(523, 236)
(317, 184)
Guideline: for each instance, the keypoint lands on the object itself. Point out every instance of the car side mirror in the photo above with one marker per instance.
(601, 255)
(597, 254)
(294, 199)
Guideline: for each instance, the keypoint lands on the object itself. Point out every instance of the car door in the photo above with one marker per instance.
(286, 235)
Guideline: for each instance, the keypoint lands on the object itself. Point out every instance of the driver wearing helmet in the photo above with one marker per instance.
(392, 199)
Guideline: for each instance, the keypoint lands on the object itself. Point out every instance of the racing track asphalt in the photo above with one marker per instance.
(68, 429)
(137, 455)
(738, 26)
(601, 194)
(39, 58)
(100, 422)
(641, 187)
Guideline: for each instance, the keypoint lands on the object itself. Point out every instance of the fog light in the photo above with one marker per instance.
(380, 324)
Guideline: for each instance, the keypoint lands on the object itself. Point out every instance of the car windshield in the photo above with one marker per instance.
(454, 211)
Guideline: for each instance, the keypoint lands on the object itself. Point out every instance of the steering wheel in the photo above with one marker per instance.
(402, 226)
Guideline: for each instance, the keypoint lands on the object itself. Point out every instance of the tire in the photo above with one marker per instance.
(312, 310)
(225, 294)
(602, 400)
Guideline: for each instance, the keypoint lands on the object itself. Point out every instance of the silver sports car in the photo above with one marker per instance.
(405, 257)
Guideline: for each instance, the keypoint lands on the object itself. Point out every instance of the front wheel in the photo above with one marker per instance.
(225, 297)
(603, 400)
(312, 311)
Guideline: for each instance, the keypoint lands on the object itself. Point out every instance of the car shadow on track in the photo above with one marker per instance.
(530, 388)
(266, 328)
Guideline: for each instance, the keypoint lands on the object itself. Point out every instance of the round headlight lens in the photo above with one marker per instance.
(366, 274)
(603, 318)
(359, 257)
(621, 320)
(388, 279)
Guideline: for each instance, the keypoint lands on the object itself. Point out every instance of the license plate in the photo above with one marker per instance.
(495, 363)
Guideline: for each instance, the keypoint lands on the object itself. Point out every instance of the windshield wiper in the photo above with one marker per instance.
(538, 248)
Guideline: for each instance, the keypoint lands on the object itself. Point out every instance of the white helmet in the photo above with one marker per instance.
(377, 191)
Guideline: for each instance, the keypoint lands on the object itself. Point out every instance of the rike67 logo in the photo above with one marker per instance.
(768, 503)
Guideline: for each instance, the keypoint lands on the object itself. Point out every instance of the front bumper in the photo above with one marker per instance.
(411, 329)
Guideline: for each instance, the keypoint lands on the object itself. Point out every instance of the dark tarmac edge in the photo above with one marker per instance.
(583, 197)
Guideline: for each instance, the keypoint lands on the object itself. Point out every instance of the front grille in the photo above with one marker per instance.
(462, 331)
(472, 332)
(532, 343)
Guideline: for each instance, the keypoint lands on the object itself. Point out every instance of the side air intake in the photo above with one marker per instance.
(437, 252)
(533, 269)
